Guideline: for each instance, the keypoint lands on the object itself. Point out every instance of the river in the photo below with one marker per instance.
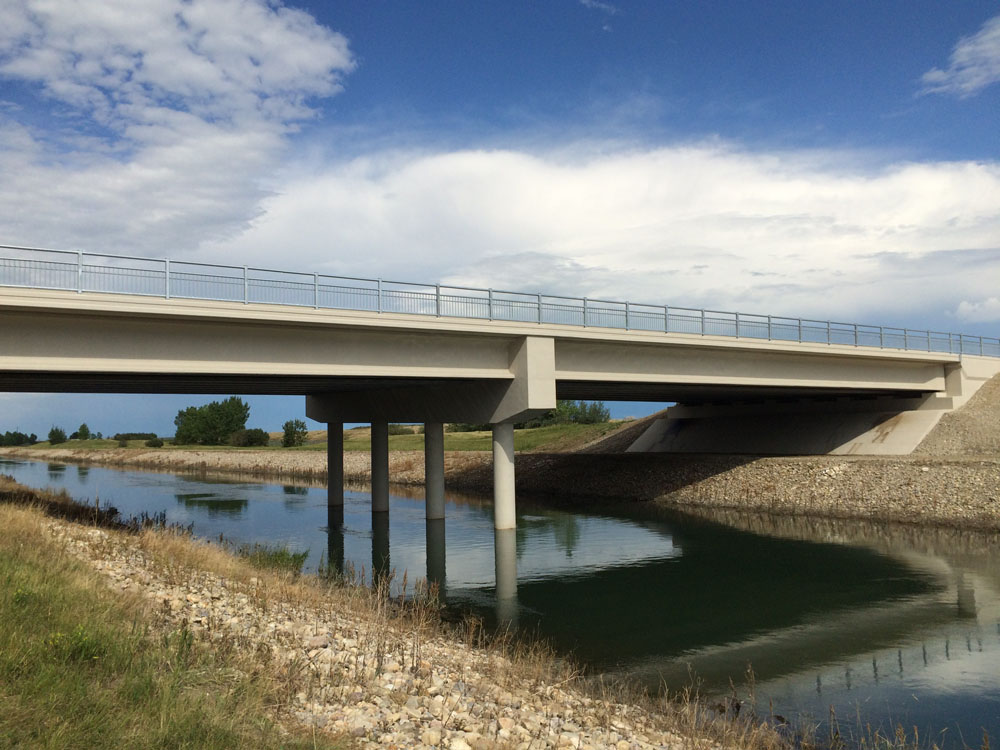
(871, 624)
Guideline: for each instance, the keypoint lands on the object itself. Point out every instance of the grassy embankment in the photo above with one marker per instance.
(551, 438)
(82, 666)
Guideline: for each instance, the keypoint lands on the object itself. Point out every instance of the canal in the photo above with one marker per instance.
(871, 624)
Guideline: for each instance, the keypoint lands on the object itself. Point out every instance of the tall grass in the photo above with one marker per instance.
(84, 667)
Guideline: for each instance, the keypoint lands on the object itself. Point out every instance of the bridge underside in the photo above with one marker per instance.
(312, 385)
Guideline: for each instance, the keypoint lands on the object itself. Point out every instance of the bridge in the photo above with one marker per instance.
(378, 351)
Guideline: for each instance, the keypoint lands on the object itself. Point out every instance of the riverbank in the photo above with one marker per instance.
(955, 491)
(352, 663)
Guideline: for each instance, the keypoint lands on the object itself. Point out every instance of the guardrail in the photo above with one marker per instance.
(119, 274)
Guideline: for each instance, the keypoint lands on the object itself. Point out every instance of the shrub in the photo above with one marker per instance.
(253, 436)
(295, 433)
(132, 435)
(154, 443)
(123, 443)
(400, 429)
(57, 435)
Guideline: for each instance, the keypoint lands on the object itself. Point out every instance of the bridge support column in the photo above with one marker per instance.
(380, 467)
(434, 470)
(436, 555)
(503, 476)
(505, 558)
(335, 463)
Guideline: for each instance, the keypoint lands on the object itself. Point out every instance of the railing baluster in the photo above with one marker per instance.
(79, 272)
(246, 287)
(166, 278)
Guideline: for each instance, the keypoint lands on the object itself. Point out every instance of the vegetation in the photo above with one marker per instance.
(57, 435)
(211, 424)
(134, 436)
(154, 443)
(566, 412)
(17, 438)
(83, 666)
(295, 432)
(267, 557)
(247, 438)
(82, 432)
(555, 437)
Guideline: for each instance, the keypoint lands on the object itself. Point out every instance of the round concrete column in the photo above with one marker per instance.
(434, 470)
(503, 477)
(380, 467)
(436, 555)
(505, 556)
(335, 463)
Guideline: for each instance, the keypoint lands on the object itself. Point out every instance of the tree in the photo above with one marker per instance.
(84, 432)
(57, 435)
(248, 438)
(295, 433)
(211, 424)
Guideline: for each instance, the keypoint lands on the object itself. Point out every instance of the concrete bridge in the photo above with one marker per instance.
(375, 351)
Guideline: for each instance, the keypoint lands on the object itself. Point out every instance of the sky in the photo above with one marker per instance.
(834, 160)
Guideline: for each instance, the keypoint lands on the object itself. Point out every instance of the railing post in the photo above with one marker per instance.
(380, 295)
(828, 333)
(980, 346)
(881, 337)
(584, 312)
(769, 328)
(538, 303)
(489, 297)
(703, 321)
(800, 329)
(627, 326)
(737, 325)
(856, 335)
(666, 319)
(166, 278)
(928, 341)
(437, 300)
(79, 271)
(316, 291)
(246, 287)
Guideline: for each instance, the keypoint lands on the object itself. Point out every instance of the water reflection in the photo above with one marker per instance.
(213, 503)
(505, 557)
(335, 538)
(82, 472)
(381, 561)
(436, 556)
(56, 471)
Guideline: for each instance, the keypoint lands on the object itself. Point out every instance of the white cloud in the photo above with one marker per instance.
(974, 64)
(984, 311)
(706, 225)
(167, 115)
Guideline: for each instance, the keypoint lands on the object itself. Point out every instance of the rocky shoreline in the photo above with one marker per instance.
(384, 680)
(955, 491)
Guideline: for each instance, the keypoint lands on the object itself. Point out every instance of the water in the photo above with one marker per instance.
(885, 624)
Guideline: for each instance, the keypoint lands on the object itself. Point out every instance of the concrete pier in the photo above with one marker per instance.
(335, 463)
(505, 558)
(380, 467)
(504, 516)
(381, 562)
(434, 470)
(335, 538)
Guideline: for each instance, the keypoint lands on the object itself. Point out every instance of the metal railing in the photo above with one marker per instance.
(118, 274)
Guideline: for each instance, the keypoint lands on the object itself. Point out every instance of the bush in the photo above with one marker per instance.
(252, 437)
(153, 443)
(464, 427)
(295, 433)
(400, 429)
(211, 424)
(123, 443)
(57, 435)
(133, 436)
(17, 438)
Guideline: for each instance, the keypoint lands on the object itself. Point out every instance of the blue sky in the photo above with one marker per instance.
(833, 160)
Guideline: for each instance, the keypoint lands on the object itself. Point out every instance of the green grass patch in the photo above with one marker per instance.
(556, 437)
(83, 667)
(268, 557)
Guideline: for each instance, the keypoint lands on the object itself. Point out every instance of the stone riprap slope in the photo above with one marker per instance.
(972, 430)
(388, 682)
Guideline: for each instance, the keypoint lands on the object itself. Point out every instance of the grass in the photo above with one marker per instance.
(82, 666)
(272, 557)
(553, 438)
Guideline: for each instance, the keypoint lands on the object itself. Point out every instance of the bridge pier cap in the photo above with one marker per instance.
(529, 392)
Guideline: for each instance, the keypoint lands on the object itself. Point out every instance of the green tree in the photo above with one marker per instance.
(295, 433)
(57, 435)
(83, 432)
(211, 424)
